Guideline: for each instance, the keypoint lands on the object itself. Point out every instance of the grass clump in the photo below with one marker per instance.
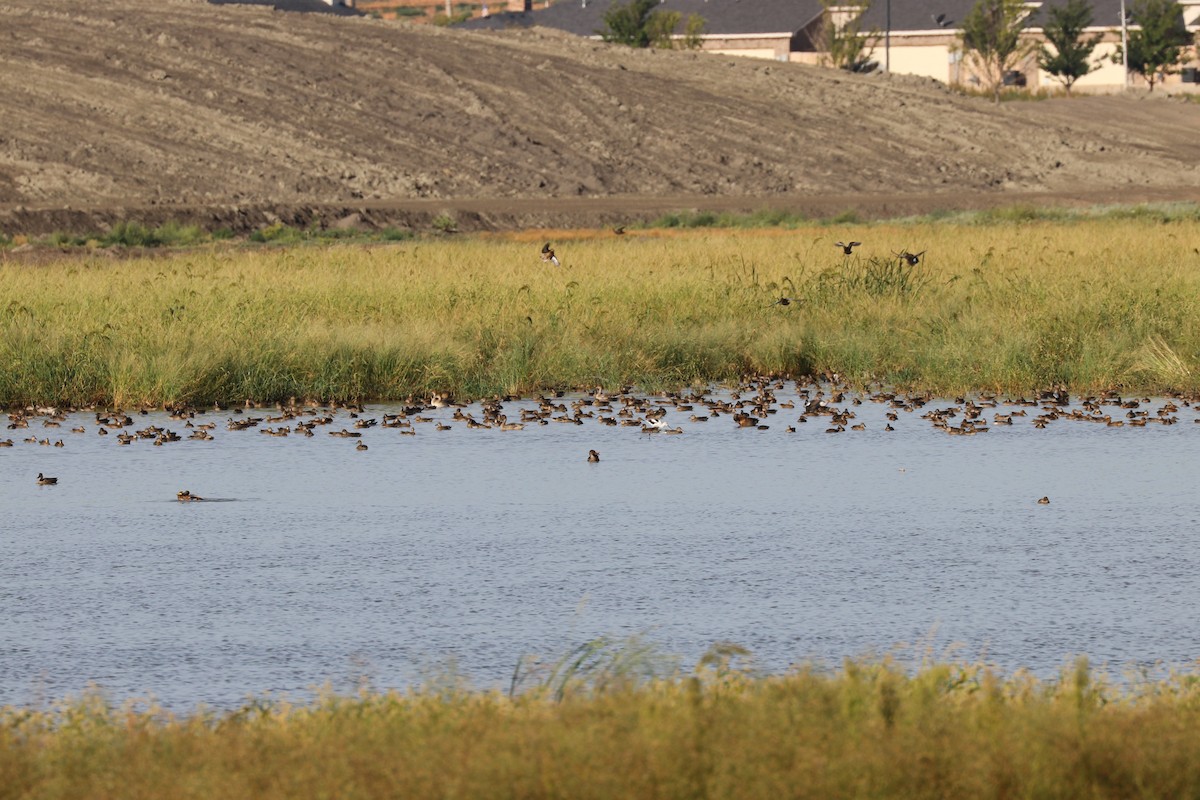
(1090, 304)
(868, 729)
(762, 218)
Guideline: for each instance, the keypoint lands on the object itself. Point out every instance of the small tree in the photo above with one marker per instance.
(693, 29)
(846, 44)
(639, 23)
(991, 34)
(659, 26)
(1158, 43)
(626, 23)
(1064, 28)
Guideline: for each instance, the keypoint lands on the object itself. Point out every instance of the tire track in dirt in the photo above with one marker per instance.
(148, 106)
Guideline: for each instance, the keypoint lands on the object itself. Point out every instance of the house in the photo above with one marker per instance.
(910, 36)
(339, 7)
(755, 28)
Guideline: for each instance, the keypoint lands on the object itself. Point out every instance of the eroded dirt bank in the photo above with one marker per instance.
(234, 116)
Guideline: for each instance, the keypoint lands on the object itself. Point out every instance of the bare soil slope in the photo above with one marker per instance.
(178, 108)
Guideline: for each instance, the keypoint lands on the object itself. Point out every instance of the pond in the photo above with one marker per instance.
(469, 548)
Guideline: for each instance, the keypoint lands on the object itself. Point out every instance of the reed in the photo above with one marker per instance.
(1014, 304)
(868, 729)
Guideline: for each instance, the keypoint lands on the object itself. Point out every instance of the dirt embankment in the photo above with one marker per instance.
(233, 116)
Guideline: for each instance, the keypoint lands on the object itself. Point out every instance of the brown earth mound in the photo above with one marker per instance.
(232, 115)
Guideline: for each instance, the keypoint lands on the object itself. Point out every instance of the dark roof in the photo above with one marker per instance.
(910, 15)
(586, 17)
(308, 6)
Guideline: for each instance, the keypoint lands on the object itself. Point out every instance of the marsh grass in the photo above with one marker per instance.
(598, 727)
(1010, 306)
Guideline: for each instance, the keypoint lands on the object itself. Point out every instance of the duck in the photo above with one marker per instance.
(45, 480)
(1045, 501)
(786, 301)
(911, 258)
(185, 496)
(593, 457)
(847, 247)
(548, 254)
(361, 446)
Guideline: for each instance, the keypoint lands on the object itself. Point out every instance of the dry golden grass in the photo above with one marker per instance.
(1011, 306)
(867, 730)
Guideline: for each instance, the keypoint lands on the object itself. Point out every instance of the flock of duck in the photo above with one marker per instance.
(759, 403)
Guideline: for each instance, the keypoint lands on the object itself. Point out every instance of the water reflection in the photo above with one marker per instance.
(480, 546)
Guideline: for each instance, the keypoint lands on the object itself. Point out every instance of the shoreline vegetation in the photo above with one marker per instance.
(604, 722)
(1011, 300)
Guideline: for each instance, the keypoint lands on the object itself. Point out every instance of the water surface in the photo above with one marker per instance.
(468, 549)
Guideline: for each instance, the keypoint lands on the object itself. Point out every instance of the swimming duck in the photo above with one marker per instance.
(361, 446)
(1045, 501)
(185, 496)
(44, 480)
(593, 456)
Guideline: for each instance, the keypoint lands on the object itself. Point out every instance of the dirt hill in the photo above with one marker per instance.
(228, 114)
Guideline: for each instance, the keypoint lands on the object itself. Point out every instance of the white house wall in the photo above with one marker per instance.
(930, 60)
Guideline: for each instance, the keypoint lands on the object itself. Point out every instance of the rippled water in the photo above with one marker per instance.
(475, 547)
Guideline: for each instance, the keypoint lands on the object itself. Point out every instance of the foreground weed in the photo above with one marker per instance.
(868, 728)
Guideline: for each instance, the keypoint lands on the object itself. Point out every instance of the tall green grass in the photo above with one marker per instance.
(1009, 306)
(868, 729)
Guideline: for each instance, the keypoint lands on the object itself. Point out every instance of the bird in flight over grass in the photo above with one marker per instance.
(548, 254)
(786, 301)
(912, 258)
(847, 247)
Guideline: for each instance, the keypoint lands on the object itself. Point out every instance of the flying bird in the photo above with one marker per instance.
(847, 247)
(912, 258)
(548, 254)
(786, 301)
(941, 21)
(619, 230)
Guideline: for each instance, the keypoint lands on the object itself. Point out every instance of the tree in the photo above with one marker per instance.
(693, 29)
(846, 45)
(1064, 28)
(639, 23)
(1158, 43)
(991, 33)
(625, 23)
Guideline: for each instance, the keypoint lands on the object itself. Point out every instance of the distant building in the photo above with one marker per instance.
(915, 37)
(339, 7)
